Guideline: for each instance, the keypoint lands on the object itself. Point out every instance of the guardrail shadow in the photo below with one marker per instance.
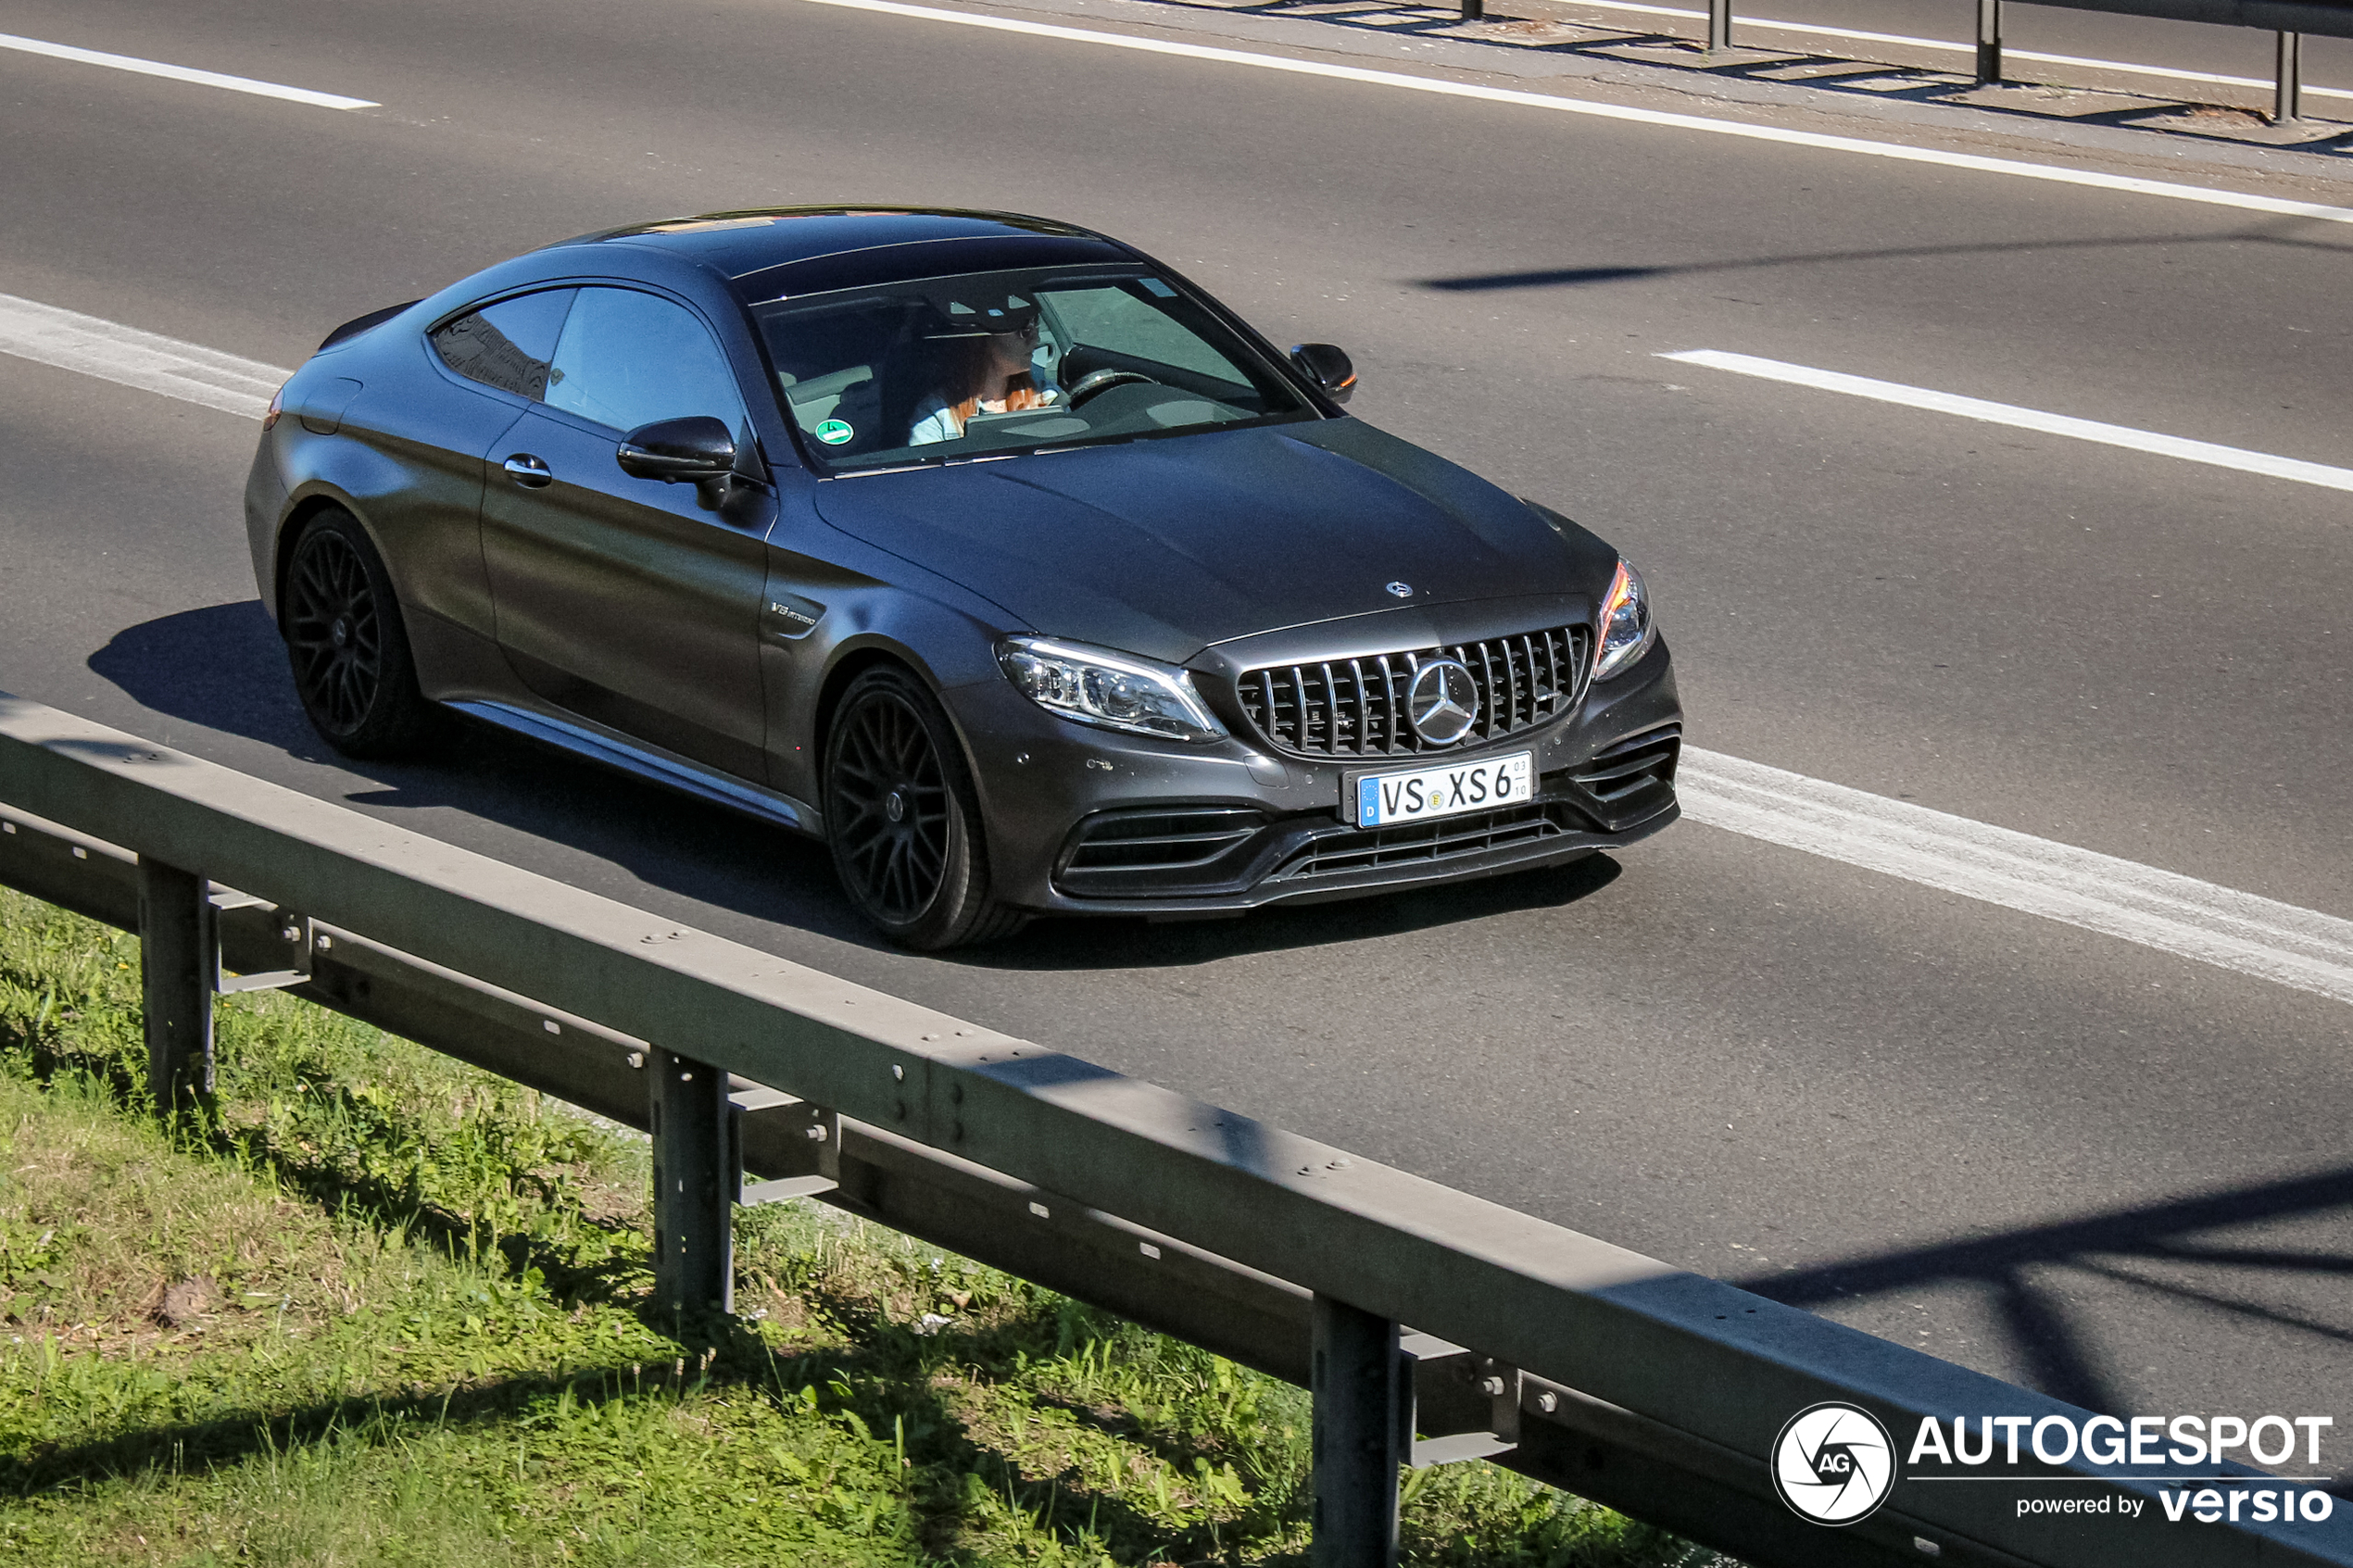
(2270, 232)
(2157, 1248)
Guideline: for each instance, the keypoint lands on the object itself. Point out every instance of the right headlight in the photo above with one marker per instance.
(1626, 624)
(1118, 691)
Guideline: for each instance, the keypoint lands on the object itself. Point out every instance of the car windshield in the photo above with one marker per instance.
(993, 363)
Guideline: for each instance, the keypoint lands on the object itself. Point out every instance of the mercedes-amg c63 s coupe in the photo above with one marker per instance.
(985, 548)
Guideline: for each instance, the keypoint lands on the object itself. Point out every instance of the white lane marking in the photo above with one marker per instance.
(2169, 190)
(183, 73)
(1950, 47)
(2024, 419)
(130, 358)
(2156, 908)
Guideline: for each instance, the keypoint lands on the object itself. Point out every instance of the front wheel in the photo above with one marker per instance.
(347, 643)
(903, 820)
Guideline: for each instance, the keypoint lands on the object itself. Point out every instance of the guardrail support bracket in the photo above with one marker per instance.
(1362, 1425)
(694, 1188)
(179, 959)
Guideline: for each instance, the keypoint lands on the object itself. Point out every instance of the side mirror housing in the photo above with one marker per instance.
(1329, 368)
(679, 451)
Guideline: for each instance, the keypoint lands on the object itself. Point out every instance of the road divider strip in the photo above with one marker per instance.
(127, 357)
(2208, 452)
(2080, 887)
(2167, 189)
(185, 74)
(2118, 898)
(1955, 47)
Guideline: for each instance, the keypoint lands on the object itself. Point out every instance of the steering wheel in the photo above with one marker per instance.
(1103, 381)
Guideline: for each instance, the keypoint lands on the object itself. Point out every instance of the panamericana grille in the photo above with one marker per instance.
(1356, 707)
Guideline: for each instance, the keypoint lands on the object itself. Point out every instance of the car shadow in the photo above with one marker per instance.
(1134, 942)
(224, 668)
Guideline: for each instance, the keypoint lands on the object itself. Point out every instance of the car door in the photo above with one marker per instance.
(626, 600)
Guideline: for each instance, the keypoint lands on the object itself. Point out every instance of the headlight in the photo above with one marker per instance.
(1118, 691)
(1626, 624)
(277, 406)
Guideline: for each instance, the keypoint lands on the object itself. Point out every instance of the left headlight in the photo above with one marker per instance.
(1625, 622)
(1118, 691)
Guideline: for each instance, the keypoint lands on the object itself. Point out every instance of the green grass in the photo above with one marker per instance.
(382, 1309)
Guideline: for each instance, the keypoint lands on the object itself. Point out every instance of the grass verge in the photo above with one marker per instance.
(383, 1309)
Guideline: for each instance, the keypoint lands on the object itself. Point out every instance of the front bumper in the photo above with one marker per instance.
(1082, 820)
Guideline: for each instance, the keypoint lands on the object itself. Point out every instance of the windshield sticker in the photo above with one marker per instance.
(833, 432)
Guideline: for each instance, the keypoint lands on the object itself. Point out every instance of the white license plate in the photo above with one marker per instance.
(1445, 791)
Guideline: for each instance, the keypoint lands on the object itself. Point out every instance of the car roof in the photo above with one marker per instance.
(773, 253)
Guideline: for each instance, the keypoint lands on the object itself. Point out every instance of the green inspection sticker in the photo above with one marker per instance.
(833, 432)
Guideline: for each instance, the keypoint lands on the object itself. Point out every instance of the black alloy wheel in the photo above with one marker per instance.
(902, 819)
(348, 643)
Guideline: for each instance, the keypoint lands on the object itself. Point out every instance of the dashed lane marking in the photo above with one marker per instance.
(2208, 452)
(185, 74)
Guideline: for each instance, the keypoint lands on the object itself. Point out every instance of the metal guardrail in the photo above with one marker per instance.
(1646, 1387)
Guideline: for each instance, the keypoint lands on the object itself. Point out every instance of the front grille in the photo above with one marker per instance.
(1356, 707)
(1472, 834)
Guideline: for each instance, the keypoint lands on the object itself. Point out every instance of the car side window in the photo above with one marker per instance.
(628, 359)
(508, 344)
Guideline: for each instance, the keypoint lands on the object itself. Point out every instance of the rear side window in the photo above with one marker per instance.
(627, 358)
(510, 345)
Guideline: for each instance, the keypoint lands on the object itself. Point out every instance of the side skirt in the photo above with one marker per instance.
(613, 751)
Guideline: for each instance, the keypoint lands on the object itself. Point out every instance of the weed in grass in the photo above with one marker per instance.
(382, 1309)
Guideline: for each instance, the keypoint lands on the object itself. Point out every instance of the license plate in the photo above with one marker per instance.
(1446, 790)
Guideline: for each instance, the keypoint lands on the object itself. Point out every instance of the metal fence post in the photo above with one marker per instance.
(1474, 10)
(1359, 1385)
(1719, 25)
(694, 1188)
(1989, 43)
(178, 964)
(2287, 96)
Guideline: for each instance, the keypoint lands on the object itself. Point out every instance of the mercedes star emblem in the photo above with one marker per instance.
(1403, 590)
(1443, 703)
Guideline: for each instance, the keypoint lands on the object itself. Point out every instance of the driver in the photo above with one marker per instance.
(990, 362)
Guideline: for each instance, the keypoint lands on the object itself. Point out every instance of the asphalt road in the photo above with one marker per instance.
(2060, 1158)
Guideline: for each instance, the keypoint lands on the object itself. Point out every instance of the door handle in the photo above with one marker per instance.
(527, 471)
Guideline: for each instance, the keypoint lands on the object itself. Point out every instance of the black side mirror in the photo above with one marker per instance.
(1329, 368)
(675, 451)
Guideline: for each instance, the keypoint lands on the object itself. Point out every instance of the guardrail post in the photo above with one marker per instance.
(2288, 80)
(1989, 43)
(1474, 10)
(1719, 25)
(178, 964)
(1359, 1385)
(694, 1188)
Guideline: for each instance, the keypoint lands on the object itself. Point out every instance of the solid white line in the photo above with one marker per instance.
(1952, 47)
(130, 358)
(182, 73)
(2167, 189)
(2156, 908)
(2024, 419)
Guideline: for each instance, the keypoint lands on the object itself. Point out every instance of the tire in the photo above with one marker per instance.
(348, 645)
(902, 818)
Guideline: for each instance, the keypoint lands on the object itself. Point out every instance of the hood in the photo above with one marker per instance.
(1163, 547)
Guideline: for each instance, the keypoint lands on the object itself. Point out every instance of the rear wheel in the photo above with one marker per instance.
(347, 643)
(903, 819)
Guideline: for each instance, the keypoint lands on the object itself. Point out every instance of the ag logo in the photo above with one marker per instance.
(1834, 1464)
(833, 432)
